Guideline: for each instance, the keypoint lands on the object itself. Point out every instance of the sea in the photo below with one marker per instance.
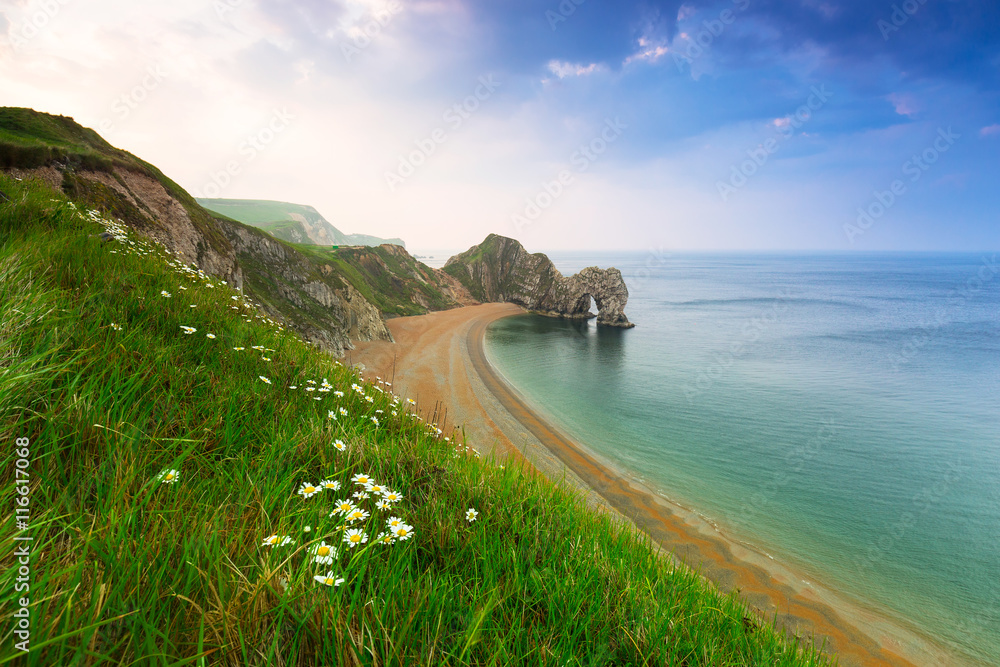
(838, 412)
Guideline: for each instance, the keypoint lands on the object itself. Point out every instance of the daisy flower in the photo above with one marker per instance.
(277, 540)
(310, 388)
(356, 387)
(330, 484)
(369, 399)
(403, 532)
(169, 476)
(307, 490)
(342, 412)
(266, 358)
(209, 335)
(339, 445)
(338, 394)
(375, 420)
(383, 505)
(360, 495)
(323, 553)
(392, 496)
(239, 349)
(394, 522)
(357, 515)
(375, 488)
(188, 330)
(330, 414)
(385, 538)
(165, 293)
(264, 379)
(471, 514)
(116, 327)
(354, 537)
(411, 401)
(362, 479)
(329, 580)
(343, 507)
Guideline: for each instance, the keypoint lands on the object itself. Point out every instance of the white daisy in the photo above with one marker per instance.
(330, 485)
(169, 476)
(307, 490)
(339, 445)
(329, 580)
(471, 514)
(354, 537)
(403, 532)
(342, 507)
(264, 379)
(323, 553)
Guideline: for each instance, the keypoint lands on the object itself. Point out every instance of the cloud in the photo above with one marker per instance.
(905, 105)
(646, 52)
(990, 130)
(562, 69)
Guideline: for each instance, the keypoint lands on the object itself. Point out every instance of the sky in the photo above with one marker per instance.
(748, 125)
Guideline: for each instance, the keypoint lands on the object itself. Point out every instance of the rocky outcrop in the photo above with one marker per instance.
(500, 269)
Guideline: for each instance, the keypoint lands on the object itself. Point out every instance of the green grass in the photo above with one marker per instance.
(97, 372)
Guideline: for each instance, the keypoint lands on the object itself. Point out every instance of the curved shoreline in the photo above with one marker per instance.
(459, 374)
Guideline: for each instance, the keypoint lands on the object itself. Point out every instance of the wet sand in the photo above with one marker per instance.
(439, 360)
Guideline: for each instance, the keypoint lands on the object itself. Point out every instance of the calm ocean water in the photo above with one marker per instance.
(839, 412)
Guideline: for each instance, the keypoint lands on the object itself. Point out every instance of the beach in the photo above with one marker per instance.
(440, 361)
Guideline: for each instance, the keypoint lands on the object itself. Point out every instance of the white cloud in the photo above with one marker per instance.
(565, 69)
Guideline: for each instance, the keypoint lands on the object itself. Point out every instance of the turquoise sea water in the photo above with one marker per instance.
(839, 412)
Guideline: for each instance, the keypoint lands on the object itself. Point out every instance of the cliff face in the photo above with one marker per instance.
(500, 269)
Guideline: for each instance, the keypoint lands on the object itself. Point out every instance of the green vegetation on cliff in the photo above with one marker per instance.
(167, 443)
(290, 222)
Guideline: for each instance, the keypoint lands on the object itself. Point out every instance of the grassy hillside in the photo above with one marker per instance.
(285, 221)
(167, 431)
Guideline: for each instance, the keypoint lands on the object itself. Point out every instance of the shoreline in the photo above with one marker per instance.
(441, 356)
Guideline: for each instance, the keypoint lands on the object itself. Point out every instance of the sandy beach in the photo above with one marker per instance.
(439, 360)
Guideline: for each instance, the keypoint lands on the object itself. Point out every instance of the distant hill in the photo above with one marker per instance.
(290, 222)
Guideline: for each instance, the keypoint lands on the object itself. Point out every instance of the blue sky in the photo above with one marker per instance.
(580, 124)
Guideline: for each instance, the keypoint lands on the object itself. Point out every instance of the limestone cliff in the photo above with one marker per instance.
(500, 269)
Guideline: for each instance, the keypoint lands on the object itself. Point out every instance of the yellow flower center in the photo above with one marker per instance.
(170, 475)
(328, 581)
(309, 489)
(355, 538)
